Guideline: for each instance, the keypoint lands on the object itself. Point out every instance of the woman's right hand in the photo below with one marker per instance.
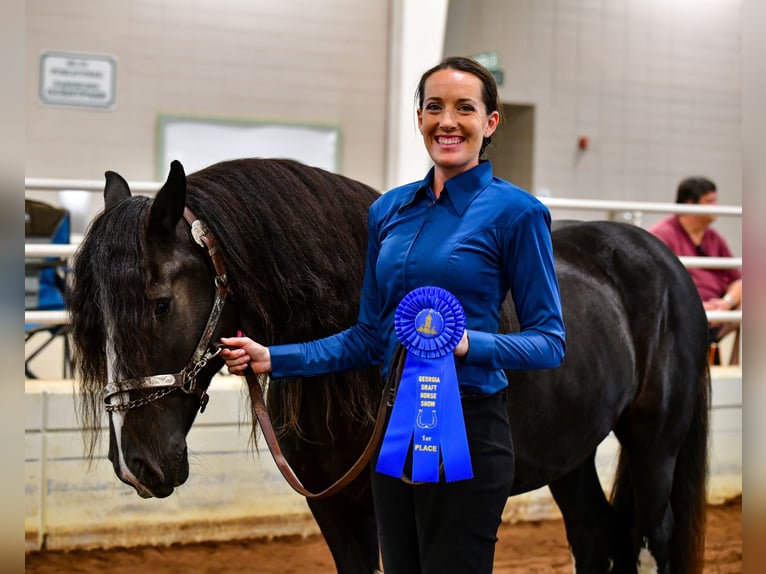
(243, 351)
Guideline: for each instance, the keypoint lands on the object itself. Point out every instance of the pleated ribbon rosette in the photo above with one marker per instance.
(427, 413)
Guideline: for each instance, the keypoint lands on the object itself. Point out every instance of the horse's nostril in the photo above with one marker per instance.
(180, 467)
(154, 469)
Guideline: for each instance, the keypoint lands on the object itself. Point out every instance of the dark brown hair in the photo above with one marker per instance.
(691, 189)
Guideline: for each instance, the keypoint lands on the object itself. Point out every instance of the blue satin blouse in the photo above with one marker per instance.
(482, 237)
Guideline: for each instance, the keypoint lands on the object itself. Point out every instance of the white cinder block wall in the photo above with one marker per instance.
(654, 84)
(290, 61)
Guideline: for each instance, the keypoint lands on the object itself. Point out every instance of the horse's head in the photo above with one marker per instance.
(147, 306)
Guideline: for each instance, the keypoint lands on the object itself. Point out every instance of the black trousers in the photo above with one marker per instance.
(451, 527)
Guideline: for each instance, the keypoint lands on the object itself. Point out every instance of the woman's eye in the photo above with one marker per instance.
(161, 307)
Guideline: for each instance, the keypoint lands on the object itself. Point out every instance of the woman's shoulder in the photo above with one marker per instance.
(395, 197)
(511, 196)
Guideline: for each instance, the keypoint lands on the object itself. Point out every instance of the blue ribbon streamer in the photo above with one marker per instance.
(427, 412)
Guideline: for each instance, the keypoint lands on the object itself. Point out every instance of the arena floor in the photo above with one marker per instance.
(530, 547)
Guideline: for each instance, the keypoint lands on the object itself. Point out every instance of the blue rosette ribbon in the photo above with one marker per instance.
(427, 413)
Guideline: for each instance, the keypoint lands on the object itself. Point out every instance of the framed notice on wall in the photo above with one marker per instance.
(198, 142)
(83, 80)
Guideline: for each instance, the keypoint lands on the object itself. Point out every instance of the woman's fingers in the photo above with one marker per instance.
(236, 341)
(239, 352)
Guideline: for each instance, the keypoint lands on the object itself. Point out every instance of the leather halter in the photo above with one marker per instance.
(186, 379)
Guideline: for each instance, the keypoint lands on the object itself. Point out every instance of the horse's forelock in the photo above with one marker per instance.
(108, 299)
(123, 276)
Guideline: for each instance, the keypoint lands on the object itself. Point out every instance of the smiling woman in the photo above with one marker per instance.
(475, 238)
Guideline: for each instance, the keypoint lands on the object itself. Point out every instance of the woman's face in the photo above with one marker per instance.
(454, 121)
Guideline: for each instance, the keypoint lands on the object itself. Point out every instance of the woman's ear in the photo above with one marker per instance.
(492, 122)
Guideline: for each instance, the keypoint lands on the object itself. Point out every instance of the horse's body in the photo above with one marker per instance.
(292, 241)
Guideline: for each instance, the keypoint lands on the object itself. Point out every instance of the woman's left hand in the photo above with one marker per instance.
(462, 347)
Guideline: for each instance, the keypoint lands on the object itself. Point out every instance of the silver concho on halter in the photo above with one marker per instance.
(198, 231)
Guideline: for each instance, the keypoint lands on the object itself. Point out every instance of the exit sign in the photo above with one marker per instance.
(490, 61)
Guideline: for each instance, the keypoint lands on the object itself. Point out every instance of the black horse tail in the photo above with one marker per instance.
(688, 497)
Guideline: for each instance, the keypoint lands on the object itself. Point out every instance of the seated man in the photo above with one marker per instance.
(691, 235)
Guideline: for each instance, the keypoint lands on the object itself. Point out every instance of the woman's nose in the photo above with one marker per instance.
(447, 120)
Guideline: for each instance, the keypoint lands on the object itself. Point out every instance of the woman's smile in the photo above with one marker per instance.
(449, 140)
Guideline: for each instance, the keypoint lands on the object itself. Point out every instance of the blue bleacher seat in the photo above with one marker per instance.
(45, 281)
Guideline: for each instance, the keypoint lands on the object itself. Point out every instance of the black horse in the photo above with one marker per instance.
(283, 257)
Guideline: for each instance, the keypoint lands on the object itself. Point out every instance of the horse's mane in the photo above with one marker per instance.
(292, 239)
(293, 265)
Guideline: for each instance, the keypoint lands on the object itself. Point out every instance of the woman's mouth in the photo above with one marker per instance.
(448, 140)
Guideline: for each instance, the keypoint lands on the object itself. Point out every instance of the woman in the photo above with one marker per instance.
(476, 236)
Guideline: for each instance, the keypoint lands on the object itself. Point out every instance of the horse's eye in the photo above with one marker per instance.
(161, 307)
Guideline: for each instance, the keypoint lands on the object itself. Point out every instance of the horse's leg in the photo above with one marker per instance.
(661, 486)
(348, 527)
(642, 500)
(592, 529)
(664, 496)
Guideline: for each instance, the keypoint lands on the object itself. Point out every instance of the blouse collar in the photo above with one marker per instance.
(460, 190)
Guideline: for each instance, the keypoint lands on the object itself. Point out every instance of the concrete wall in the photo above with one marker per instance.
(654, 84)
(233, 493)
(293, 61)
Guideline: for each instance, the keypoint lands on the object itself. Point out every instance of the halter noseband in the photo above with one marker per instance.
(186, 379)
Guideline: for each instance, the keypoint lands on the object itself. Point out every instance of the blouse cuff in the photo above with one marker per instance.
(285, 359)
(481, 348)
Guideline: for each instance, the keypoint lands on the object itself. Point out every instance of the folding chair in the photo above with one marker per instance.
(45, 282)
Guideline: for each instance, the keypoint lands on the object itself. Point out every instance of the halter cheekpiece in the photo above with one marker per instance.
(186, 379)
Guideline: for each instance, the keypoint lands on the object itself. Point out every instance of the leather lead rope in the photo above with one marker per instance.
(386, 401)
(206, 239)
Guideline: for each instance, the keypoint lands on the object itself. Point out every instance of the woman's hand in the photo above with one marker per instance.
(243, 351)
(462, 347)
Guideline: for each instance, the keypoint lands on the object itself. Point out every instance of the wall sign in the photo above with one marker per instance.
(490, 60)
(77, 80)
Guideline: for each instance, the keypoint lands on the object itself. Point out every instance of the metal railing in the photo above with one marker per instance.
(611, 207)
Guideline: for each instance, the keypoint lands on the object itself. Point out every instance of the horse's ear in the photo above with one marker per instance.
(168, 205)
(115, 190)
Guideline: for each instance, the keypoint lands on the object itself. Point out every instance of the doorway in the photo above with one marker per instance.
(512, 148)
